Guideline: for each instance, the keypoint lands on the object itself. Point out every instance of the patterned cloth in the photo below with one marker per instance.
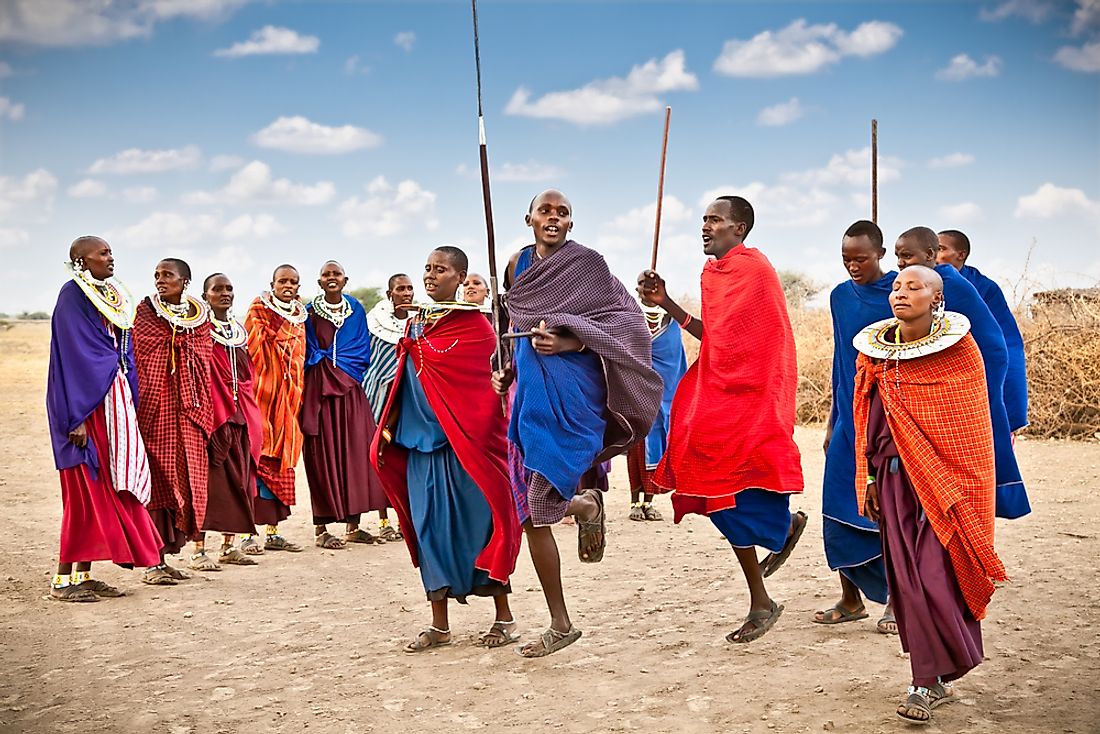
(948, 459)
(278, 351)
(573, 289)
(732, 425)
(128, 458)
(175, 414)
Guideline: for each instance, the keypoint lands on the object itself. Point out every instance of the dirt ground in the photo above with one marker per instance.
(311, 642)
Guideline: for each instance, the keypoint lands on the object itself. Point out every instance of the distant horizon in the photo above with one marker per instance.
(238, 135)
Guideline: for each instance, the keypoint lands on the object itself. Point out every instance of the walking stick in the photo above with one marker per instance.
(660, 193)
(874, 171)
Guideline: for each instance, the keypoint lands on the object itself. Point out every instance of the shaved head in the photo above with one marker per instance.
(927, 275)
(923, 237)
(81, 246)
(549, 192)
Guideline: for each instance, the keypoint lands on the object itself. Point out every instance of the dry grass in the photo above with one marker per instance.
(1062, 345)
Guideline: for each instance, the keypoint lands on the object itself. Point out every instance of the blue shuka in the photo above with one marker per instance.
(564, 406)
(350, 347)
(852, 543)
(964, 298)
(1016, 379)
(671, 363)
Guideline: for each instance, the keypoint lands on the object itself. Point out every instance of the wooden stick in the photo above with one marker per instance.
(874, 171)
(660, 192)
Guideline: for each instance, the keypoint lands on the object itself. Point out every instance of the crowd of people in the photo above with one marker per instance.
(170, 420)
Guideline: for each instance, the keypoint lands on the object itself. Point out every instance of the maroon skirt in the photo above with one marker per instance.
(232, 484)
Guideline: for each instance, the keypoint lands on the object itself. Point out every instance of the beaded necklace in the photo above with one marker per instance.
(231, 335)
(335, 315)
(293, 311)
(110, 297)
(177, 314)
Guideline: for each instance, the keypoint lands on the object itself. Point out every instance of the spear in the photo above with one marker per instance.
(660, 192)
(490, 235)
(874, 171)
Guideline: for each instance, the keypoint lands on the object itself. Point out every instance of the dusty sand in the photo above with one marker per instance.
(312, 641)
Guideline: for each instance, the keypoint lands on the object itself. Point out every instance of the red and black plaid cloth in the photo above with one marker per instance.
(174, 412)
(575, 290)
(937, 409)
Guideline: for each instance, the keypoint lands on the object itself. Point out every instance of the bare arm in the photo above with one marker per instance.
(658, 294)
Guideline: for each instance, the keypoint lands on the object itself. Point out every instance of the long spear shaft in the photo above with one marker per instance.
(874, 171)
(660, 192)
(490, 234)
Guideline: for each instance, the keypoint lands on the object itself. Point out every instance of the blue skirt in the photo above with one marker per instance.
(760, 518)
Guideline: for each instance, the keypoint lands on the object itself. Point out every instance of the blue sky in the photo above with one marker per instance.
(240, 134)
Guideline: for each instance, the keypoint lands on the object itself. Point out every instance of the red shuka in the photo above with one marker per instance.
(221, 393)
(457, 382)
(732, 421)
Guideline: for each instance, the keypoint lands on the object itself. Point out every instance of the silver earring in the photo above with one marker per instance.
(938, 311)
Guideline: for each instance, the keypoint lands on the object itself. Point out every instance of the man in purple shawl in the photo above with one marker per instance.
(336, 416)
(585, 391)
(954, 251)
(90, 395)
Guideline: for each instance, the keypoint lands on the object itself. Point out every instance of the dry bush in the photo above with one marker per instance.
(1062, 345)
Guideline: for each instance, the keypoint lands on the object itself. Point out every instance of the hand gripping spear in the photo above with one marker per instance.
(490, 235)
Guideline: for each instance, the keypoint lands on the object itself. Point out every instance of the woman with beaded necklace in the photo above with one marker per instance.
(277, 344)
(238, 435)
(173, 348)
(98, 451)
(336, 416)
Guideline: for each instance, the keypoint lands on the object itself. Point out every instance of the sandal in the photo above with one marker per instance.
(917, 708)
(499, 635)
(426, 640)
(73, 593)
(549, 642)
(839, 615)
(637, 513)
(158, 576)
(276, 542)
(588, 528)
(761, 622)
(230, 556)
(202, 562)
(101, 589)
(328, 541)
(773, 561)
(389, 534)
(362, 536)
(251, 547)
(888, 625)
(175, 573)
(652, 513)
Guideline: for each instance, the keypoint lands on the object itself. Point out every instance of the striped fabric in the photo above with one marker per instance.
(380, 374)
(278, 351)
(938, 412)
(128, 460)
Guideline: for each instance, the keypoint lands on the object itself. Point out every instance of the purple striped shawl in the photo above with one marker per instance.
(574, 289)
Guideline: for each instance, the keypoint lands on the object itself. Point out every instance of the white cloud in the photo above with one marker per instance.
(530, 171)
(255, 183)
(226, 162)
(951, 160)
(1086, 18)
(1080, 58)
(800, 48)
(33, 194)
(11, 110)
(135, 160)
(172, 229)
(606, 101)
(633, 230)
(966, 212)
(405, 39)
(300, 135)
(782, 205)
(1035, 11)
(271, 40)
(97, 22)
(89, 188)
(5, 70)
(387, 210)
(353, 66)
(851, 168)
(780, 114)
(140, 194)
(1050, 201)
(11, 237)
(962, 67)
